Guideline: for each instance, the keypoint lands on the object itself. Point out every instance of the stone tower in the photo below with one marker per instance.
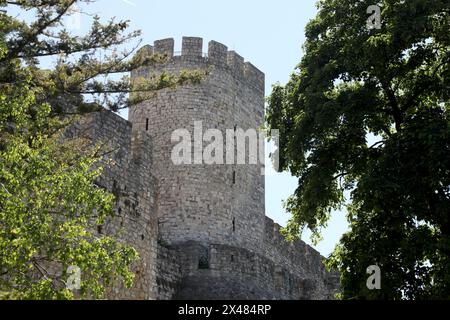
(219, 204)
(212, 239)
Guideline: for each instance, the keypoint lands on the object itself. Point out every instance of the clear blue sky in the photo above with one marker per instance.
(269, 34)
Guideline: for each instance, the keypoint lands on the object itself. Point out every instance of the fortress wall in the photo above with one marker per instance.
(254, 275)
(127, 174)
(230, 273)
(169, 274)
(301, 259)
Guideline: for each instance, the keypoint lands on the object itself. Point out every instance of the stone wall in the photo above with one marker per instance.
(170, 273)
(194, 271)
(128, 175)
(300, 260)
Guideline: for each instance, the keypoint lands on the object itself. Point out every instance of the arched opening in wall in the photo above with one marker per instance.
(203, 259)
(234, 224)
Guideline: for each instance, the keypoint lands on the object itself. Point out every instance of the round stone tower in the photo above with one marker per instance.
(205, 203)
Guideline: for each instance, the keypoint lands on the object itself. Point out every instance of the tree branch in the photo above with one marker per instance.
(393, 103)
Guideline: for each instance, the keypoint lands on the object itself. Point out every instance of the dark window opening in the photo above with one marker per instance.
(142, 237)
(235, 128)
(232, 258)
(146, 124)
(234, 177)
(203, 262)
(100, 229)
(234, 224)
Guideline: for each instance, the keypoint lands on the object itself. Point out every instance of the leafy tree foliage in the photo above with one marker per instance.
(367, 112)
(49, 204)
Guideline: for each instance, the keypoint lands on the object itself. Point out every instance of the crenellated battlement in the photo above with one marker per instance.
(164, 46)
(192, 47)
(217, 55)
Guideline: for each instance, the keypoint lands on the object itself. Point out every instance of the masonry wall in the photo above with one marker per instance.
(170, 273)
(128, 175)
(218, 271)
